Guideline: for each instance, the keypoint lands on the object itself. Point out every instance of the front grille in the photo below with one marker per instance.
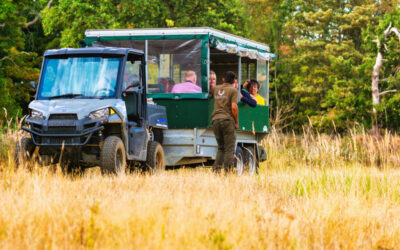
(62, 123)
(61, 140)
(62, 130)
(63, 117)
(66, 125)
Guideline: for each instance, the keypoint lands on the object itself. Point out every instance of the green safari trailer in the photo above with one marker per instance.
(170, 53)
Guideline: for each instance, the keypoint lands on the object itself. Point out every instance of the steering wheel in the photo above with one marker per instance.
(105, 91)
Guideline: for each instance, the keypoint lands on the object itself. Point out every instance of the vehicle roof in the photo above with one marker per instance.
(92, 50)
(175, 31)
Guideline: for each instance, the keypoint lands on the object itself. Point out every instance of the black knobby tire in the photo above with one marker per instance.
(251, 161)
(112, 156)
(155, 161)
(23, 150)
(239, 161)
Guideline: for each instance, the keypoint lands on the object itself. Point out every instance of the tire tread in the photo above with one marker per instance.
(108, 154)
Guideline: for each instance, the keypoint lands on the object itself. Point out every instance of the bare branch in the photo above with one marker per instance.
(396, 31)
(397, 71)
(388, 91)
(387, 31)
(37, 16)
(383, 80)
(33, 21)
(391, 29)
(11, 59)
(8, 58)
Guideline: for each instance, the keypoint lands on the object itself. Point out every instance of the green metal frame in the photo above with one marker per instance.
(195, 110)
(196, 113)
(203, 67)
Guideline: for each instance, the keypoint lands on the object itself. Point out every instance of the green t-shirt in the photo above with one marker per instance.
(224, 95)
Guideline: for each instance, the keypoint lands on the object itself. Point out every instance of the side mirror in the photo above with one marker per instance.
(33, 84)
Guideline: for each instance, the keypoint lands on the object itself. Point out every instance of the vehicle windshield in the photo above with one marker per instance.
(79, 77)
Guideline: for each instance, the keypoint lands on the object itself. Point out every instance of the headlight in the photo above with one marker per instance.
(36, 115)
(98, 114)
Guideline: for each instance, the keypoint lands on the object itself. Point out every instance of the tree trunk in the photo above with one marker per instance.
(376, 100)
(375, 91)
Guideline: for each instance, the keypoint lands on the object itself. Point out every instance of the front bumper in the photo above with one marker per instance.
(63, 132)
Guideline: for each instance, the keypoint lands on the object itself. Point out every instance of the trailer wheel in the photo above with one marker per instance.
(112, 156)
(251, 161)
(155, 157)
(23, 151)
(239, 161)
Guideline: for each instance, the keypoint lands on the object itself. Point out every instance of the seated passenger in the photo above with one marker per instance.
(212, 83)
(253, 87)
(189, 86)
(166, 84)
(213, 79)
(246, 97)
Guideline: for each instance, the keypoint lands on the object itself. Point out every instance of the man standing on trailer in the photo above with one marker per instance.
(225, 121)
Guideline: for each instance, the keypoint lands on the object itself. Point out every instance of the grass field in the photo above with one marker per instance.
(315, 191)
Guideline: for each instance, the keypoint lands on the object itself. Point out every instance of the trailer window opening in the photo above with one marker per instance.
(222, 62)
(170, 60)
(262, 78)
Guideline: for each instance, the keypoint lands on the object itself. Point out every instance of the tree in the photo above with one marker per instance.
(324, 64)
(17, 67)
(70, 18)
(385, 45)
(267, 20)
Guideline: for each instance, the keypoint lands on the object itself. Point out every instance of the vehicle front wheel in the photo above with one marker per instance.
(112, 156)
(155, 157)
(23, 151)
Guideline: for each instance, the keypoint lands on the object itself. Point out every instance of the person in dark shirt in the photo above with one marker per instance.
(225, 121)
(245, 95)
(253, 87)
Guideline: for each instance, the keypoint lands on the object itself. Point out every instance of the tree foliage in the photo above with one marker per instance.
(325, 49)
(70, 18)
(17, 66)
(326, 54)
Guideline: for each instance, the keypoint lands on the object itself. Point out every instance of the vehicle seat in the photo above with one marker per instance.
(132, 106)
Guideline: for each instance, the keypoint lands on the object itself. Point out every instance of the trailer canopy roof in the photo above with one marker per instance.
(218, 39)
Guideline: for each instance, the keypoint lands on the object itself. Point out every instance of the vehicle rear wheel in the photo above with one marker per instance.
(251, 161)
(239, 161)
(112, 156)
(155, 157)
(23, 151)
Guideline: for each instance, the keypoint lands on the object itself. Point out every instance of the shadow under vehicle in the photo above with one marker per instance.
(169, 54)
(91, 109)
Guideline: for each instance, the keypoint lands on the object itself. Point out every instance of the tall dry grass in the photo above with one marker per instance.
(315, 191)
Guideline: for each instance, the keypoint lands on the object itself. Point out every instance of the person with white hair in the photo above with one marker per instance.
(189, 86)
